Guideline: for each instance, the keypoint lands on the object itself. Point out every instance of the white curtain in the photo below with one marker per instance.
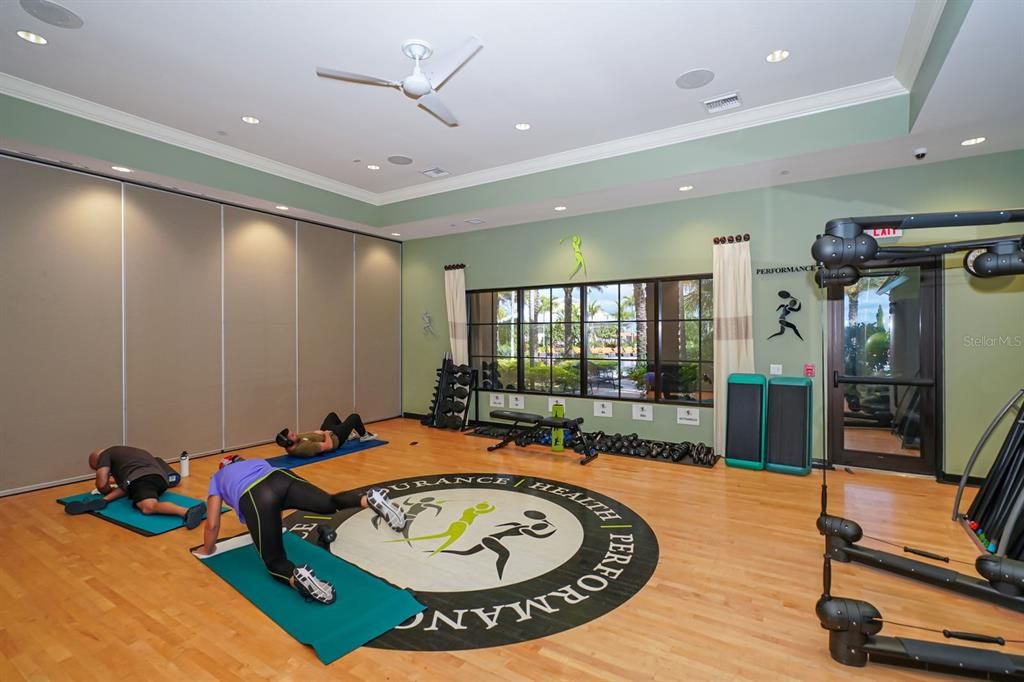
(455, 298)
(734, 329)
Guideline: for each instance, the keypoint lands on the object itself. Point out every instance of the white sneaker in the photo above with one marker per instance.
(311, 587)
(368, 437)
(378, 500)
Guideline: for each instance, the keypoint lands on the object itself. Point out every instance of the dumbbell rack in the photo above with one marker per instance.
(455, 385)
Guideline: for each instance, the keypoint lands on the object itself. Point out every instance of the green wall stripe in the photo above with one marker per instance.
(36, 124)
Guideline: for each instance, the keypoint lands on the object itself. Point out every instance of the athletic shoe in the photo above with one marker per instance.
(311, 587)
(378, 500)
(92, 504)
(367, 437)
(194, 515)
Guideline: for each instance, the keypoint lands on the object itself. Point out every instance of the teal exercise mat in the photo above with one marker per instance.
(121, 512)
(291, 462)
(366, 606)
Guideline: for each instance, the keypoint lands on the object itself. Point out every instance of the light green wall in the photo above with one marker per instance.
(675, 239)
(35, 124)
(871, 121)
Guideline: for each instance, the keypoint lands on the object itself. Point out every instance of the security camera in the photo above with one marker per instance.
(920, 153)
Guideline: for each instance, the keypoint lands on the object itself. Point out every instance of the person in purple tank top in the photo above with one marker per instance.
(259, 493)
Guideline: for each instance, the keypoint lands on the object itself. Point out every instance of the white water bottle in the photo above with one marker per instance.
(184, 464)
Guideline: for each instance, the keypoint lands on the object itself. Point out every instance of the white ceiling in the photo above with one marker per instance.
(581, 73)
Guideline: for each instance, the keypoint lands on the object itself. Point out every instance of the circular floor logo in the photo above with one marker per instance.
(496, 558)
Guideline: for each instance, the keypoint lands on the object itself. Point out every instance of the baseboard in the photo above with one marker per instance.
(954, 479)
(413, 415)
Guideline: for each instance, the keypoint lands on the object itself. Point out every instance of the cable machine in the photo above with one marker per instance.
(854, 625)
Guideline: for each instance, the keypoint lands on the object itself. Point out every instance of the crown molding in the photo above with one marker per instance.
(923, 22)
(860, 93)
(98, 113)
(840, 98)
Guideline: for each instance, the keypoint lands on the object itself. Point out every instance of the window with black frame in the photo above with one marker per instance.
(643, 340)
(551, 340)
(686, 353)
(493, 338)
(620, 340)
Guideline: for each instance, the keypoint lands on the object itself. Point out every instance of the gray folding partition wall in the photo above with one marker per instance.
(130, 314)
(259, 326)
(60, 321)
(172, 315)
(326, 340)
(379, 332)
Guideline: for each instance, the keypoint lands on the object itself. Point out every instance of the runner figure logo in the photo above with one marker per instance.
(496, 558)
(785, 310)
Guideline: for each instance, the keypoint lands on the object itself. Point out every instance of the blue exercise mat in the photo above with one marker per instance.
(291, 462)
(365, 608)
(123, 513)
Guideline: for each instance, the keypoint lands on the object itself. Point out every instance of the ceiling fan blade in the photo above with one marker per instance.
(440, 69)
(432, 103)
(354, 77)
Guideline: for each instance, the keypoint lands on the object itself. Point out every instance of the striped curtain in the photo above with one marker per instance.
(455, 298)
(734, 329)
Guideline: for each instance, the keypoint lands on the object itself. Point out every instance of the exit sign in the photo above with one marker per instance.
(886, 232)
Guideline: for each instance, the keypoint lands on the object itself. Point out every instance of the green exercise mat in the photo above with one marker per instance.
(366, 606)
(121, 512)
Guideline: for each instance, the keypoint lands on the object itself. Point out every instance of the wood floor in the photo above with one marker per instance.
(732, 598)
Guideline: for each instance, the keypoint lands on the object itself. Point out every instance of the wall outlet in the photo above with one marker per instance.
(643, 413)
(775, 369)
(602, 408)
(497, 400)
(690, 416)
(516, 402)
(555, 401)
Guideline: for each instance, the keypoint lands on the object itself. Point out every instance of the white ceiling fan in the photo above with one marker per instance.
(421, 86)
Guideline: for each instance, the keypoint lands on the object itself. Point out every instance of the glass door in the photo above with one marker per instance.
(883, 398)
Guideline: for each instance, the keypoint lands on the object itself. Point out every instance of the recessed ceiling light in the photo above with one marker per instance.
(970, 142)
(474, 221)
(281, 208)
(776, 56)
(522, 126)
(396, 234)
(251, 120)
(121, 169)
(31, 37)
(373, 166)
(686, 188)
(559, 208)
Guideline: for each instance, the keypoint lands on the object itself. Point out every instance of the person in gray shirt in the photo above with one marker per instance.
(140, 476)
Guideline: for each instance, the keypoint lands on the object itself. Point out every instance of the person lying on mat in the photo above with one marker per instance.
(259, 493)
(333, 433)
(140, 476)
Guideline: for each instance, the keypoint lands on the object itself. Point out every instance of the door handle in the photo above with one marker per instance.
(883, 381)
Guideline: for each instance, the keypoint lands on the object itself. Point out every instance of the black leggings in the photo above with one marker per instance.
(342, 429)
(263, 503)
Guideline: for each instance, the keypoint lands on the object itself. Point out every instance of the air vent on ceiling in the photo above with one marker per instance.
(723, 103)
(436, 172)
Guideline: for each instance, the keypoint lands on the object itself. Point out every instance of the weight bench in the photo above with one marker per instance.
(525, 425)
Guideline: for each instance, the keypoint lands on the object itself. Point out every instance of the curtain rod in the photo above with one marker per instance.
(456, 266)
(732, 239)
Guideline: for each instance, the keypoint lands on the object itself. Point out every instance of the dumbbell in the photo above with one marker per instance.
(325, 535)
(463, 369)
(698, 453)
(462, 379)
(458, 406)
